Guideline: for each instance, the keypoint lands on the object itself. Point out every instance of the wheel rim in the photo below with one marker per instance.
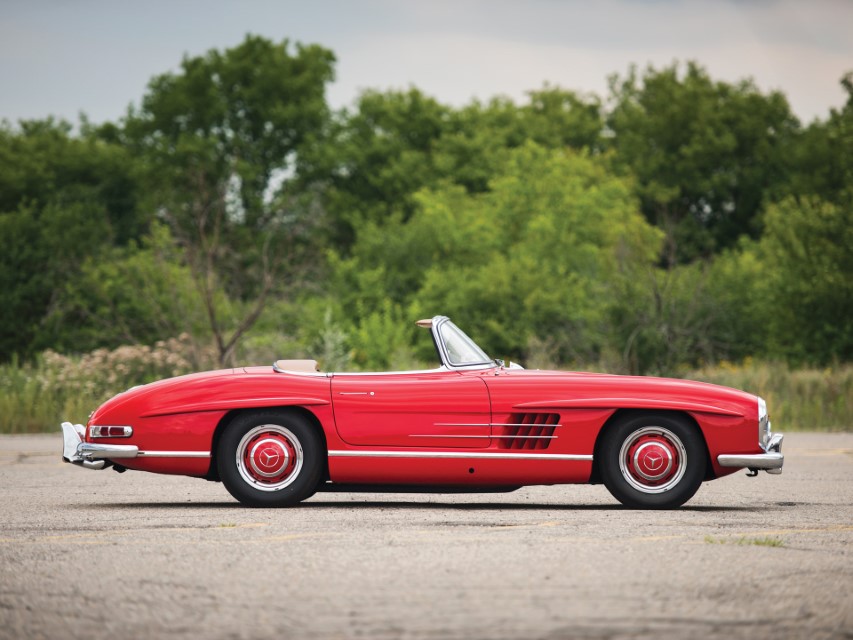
(269, 457)
(652, 460)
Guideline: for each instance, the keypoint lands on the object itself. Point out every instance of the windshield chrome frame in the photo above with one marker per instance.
(435, 329)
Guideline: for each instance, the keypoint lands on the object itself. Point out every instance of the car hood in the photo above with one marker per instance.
(569, 389)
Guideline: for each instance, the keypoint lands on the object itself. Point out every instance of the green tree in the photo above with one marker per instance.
(373, 159)
(665, 319)
(822, 157)
(533, 257)
(63, 198)
(787, 295)
(557, 118)
(370, 161)
(807, 267)
(42, 162)
(136, 294)
(705, 154)
(219, 139)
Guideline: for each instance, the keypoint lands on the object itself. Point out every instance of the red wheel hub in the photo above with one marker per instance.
(269, 457)
(652, 460)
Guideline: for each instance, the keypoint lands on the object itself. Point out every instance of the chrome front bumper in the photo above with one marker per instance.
(89, 455)
(771, 461)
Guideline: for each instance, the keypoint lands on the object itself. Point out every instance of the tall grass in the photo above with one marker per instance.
(797, 399)
(37, 396)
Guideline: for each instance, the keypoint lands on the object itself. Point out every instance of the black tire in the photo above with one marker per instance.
(270, 458)
(653, 461)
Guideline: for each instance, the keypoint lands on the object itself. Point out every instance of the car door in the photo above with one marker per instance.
(438, 409)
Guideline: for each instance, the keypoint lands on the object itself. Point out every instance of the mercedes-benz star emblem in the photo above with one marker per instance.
(653, 461)
(269, 457)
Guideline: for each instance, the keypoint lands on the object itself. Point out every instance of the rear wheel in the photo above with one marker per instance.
(270, 459)
(653, 461)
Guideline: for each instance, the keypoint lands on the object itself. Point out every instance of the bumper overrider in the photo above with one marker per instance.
(770, 461)
(88, 454)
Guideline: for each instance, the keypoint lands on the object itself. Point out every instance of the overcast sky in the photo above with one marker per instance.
(61, 57)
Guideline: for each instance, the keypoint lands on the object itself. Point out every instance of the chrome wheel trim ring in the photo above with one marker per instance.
(247, 474)
(628, 467)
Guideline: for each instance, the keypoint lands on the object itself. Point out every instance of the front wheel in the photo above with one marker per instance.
(270, 459)
(653, 461)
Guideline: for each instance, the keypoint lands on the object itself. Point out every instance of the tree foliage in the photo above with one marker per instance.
(678, 221)
(217, 137)
(535, 255)
(808, 279)
(370, 162)
(129, 295)
(705, 154)
(63, 199)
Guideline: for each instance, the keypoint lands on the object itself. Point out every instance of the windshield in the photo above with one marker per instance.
(461, 350)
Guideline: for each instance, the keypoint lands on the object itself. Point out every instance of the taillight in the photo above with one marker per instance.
(100, 431)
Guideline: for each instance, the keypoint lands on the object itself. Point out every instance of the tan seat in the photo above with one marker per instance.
(302, 366)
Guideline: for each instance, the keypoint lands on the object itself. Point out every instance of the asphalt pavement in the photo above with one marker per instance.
(94, 554)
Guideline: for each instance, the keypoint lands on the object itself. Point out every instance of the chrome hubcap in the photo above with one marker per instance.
(652, 460)
(269, 457)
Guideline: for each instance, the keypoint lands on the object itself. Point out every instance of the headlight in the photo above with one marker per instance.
(763, 424)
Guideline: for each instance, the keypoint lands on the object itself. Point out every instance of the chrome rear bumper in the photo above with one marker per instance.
(771, 461)
(88, 455)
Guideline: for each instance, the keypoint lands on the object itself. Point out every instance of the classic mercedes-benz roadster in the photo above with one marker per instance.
(276, 435)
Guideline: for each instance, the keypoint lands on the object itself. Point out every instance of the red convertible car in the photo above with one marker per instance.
(276, 435)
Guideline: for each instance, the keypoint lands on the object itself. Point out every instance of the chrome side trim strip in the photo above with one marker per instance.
(459, 455)
(461, 424)
(522, 424)
(484, 436)
(440, 369)
(491, 424)
(174, 454)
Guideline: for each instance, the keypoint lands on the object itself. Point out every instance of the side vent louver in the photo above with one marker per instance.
(527, 431)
